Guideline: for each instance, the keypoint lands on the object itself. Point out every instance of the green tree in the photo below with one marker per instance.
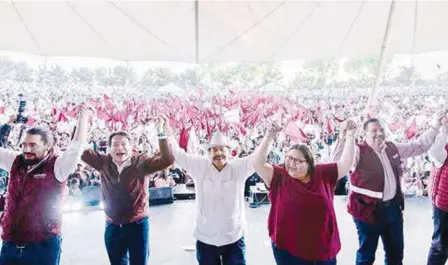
(158, 77)
(6, 68)
(362, 71)
(83, 75)
(23, 73)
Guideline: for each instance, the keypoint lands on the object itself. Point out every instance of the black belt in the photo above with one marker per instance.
(388, 203)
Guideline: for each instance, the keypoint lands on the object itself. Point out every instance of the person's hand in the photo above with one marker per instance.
(350, 128)
(160, 125)
(343, 129)
(437, 119)
(12, 119)
(273, 130)
(166, 126)
(85, 110)
(444, 122)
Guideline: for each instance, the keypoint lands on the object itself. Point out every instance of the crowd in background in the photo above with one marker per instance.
(311, 117)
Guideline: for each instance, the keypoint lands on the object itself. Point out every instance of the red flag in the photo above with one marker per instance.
(61, 118)
(411, 131)
(183, 141)
(329, 128)
(242, 129)
(295, 132)
(338, 119)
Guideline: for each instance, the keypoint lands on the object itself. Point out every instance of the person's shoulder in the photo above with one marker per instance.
(279, 170)
(325, 167)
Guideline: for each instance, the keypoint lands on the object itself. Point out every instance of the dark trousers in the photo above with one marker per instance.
(388, 226)
(283, 257)
(128, 242)
(438, 253)
(47, 252)
(232, 254)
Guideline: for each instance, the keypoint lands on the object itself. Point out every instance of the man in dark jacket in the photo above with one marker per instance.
(125, 184)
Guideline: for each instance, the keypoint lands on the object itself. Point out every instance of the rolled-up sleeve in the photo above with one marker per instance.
(422, 145)
(437, 153)
(67, 162)
(7, 158)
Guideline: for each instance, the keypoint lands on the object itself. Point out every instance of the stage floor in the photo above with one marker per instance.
(171, 230)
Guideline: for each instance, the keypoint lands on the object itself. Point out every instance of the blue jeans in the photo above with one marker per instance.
(438, 253)
(128, 242)
(47, 252)
(232, 254)
(283, 257)
(389, 226)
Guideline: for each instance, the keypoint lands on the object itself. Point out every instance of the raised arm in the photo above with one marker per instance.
(345, 163)
(260, 156)
(7, 156)
(66, 163)
(192, 163)
(165, 157)
(437, 153)
(422, 144)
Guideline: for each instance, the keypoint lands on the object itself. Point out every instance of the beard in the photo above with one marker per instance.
(31, 162)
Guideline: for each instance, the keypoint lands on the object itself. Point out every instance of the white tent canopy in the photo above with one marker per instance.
(206, 31)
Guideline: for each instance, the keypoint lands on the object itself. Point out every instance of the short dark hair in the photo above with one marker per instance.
(307, 154)
(118, 133)
(45, 134)
(367, 122)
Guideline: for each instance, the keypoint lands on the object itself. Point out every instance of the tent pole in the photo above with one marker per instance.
(196, 43)
(373, 90)
(196, 30)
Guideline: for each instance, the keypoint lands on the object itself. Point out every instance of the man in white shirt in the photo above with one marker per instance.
(220, 216)
(38, 176)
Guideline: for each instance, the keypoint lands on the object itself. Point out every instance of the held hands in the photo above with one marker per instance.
(273, 130)
(163, 125)
(160, 125)
(85, 110)
(348, 128)
(351, 128)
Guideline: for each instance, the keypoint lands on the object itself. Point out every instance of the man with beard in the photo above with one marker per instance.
(38, 180)
(376, 201)
(220, 222)
(125, 190)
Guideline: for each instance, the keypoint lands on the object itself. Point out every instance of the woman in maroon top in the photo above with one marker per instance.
(302, 221)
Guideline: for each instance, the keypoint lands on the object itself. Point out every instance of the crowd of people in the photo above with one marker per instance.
(242, 116)
(300, 146)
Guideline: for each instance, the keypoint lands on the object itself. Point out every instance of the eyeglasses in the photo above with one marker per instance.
(295, 160)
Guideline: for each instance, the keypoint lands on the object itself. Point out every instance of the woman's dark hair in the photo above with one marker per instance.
(306, 154)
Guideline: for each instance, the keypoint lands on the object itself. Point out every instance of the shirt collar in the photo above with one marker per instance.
(125, 163)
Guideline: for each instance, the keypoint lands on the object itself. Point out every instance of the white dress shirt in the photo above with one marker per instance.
(64, 165)
(437, 153)
(220, 209)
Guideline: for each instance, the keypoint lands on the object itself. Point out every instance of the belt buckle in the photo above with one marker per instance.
(20, 246)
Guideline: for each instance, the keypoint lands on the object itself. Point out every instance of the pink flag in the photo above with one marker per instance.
(394, 126)
(295, 132)
(412, 130)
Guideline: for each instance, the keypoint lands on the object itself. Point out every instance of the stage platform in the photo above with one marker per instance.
(171, 230)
